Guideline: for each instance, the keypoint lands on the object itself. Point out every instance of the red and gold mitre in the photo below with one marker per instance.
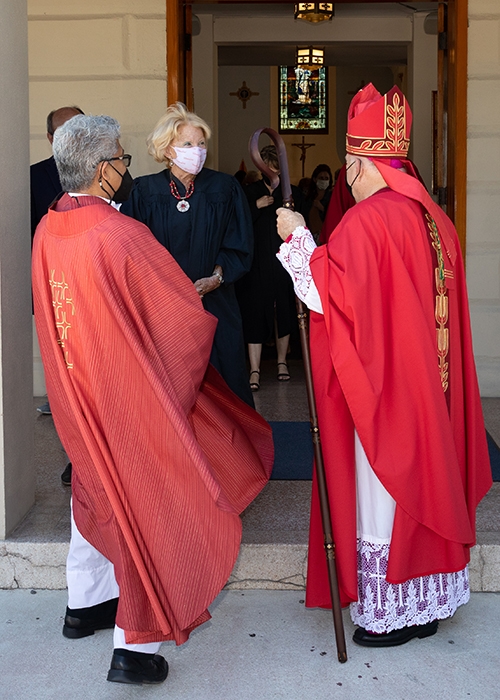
(378, 126)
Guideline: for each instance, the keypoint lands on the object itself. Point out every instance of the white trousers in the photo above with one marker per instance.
(91, 580)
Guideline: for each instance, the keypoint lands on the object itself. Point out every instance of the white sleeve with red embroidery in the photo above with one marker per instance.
(294, 255)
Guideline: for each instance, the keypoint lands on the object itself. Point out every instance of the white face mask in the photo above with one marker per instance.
(322, 184)
(190, 159)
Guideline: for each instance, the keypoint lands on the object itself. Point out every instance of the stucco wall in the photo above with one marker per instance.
(17, 478)
(107, 58)
(483, 190)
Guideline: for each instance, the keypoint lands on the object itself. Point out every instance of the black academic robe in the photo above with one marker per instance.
(216, 230)
(267, 287)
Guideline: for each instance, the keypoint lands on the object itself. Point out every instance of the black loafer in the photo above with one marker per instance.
(83, 622)
(136, 668)
(396, 637)
(66, 475)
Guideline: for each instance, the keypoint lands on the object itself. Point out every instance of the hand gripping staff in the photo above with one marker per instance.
(304, 339)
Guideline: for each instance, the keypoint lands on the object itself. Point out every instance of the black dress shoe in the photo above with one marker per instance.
(137, 668)
(66, 475)
(396, 637)
(82, 622)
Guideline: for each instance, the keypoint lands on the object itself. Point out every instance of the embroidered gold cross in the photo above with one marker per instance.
(63, 309)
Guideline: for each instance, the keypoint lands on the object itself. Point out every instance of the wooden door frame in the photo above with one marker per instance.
(179, 63)
(457, 117)
(179, 87)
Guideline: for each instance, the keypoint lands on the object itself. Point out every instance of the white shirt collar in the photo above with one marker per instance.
(115, 205)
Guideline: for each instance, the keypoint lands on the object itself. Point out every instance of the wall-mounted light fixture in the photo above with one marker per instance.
(314, 11)
(309, 57)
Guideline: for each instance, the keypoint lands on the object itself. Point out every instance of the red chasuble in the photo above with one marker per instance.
(164, 455)
(392, 357)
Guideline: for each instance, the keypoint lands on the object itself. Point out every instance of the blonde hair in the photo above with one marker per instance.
(167, 129)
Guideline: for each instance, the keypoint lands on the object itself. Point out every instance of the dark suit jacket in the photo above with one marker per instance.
(45, 186)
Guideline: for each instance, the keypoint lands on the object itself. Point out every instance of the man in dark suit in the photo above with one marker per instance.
(44, 178)
(45, 186)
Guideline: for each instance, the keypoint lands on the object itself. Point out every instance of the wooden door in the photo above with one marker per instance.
(179, 60)
(451, 175)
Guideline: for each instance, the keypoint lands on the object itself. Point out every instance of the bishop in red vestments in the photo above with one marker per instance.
(165, 456)
(398, 402)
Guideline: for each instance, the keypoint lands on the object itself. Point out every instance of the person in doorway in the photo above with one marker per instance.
(45, 186)
(265, 294)
(165, 456)
(202, 218)
(341, 200)
(393, 368)
(318, 199)
(44, 178)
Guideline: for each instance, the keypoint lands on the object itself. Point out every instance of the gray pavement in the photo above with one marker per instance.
(259, 645)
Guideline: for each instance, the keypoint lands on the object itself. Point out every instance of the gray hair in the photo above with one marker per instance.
(80, 144)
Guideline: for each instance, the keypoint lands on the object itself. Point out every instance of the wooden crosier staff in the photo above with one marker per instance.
(313, 415)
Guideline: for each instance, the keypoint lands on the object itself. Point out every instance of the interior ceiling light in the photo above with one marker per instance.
(309, 57)
(314, 11)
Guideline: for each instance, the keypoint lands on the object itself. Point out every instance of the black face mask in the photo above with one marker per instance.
(349, 186)
(123, 192)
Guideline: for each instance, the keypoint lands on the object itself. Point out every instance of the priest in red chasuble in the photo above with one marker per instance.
(398, 402)
(164, 455)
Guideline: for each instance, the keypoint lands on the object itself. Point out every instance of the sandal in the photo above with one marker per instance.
(283, 376)
(255, 386)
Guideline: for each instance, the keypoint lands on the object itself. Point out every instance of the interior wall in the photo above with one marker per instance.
(205, 84)
(237, 29)
(236, 121)
(350, 79)
(422, 81)
(483, 190)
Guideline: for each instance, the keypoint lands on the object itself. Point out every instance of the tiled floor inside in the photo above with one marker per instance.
(278, 515)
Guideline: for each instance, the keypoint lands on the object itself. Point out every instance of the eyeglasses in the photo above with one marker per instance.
(126, 158)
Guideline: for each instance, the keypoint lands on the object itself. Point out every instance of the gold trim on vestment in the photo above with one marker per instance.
(63, 308)
(393, 143)
(441, 308)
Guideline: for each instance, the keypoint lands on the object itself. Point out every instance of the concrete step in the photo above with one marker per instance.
(273, 553)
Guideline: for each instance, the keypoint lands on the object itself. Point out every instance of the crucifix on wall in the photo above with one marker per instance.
(303, 149)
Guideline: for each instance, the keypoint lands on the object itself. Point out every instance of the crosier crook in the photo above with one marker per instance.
(286, 189)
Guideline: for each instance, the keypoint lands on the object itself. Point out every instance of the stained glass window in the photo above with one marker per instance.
(303, 100)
